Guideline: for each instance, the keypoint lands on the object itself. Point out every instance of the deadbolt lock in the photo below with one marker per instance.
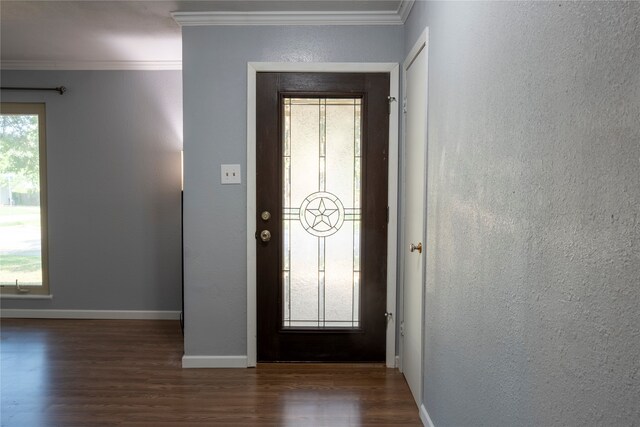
(265, 215)
(265, 235)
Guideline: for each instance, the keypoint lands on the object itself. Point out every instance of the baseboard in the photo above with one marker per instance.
(425, 418)
(90, 314)
(214, 361)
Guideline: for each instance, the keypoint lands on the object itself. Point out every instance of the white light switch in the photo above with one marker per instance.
(230, 174)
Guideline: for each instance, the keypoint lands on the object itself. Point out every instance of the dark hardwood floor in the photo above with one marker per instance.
(128, 373)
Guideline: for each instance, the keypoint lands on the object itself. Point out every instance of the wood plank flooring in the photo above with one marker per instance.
(128, 373)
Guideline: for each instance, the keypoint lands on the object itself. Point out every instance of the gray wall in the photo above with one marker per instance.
(113, 153)
(533, 288)
(215, 92)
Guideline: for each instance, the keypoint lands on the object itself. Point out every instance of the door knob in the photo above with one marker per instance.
(418, 247)
(265, 235)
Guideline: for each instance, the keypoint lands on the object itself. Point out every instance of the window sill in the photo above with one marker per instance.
(25, 296)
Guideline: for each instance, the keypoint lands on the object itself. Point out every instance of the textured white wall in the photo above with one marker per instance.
(533, 290)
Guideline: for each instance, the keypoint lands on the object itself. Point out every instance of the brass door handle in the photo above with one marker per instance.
(418, 247)
(265, 235)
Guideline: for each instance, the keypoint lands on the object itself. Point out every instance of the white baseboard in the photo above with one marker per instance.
(425, 418)
(214, 361)
(90, 314)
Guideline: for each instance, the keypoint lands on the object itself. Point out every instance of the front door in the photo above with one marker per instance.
(321, 173)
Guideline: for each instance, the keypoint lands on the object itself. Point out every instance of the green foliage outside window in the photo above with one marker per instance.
(19, 153)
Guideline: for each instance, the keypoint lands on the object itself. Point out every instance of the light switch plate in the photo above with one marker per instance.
(230, 174)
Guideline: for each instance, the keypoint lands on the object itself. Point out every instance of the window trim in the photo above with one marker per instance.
(24, 108)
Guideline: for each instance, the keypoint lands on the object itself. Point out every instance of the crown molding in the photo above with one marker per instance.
(380, 17)
(404, 8)
(192, 19)
(91, 65)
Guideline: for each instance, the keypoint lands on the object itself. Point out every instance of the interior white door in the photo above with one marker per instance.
(414, 217)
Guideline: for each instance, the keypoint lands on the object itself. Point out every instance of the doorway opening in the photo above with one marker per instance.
(330, 220)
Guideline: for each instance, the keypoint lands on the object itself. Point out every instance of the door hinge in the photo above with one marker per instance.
(390, 99)
(404, 105)
(387, 214)
(402, 328)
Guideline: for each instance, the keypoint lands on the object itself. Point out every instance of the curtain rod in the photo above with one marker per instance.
(59, 89)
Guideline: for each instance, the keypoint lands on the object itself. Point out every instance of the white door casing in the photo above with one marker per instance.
(414, 210)
(392, 236)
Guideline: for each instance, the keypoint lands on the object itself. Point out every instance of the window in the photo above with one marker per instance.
(23, 200)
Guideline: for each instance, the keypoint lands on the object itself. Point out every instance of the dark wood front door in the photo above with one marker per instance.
(321, 223)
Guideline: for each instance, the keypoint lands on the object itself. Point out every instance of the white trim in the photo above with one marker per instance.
(252, 306)
(392, 226)
(320, 67)
(425, 418)
(25, 296)
(420, 44)
(214, 361)
(379, 17)
(91, 65)
(90, 314)
(332, 67)
(404, 8)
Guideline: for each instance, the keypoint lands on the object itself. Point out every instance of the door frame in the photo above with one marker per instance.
(392, 235)
(421, 44)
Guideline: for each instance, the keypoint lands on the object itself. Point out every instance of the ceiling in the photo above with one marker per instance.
(92, 34)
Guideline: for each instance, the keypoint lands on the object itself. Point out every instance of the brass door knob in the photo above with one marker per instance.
(265, 235)
(418, 247)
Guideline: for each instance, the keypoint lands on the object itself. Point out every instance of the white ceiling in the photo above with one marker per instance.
(93, 34)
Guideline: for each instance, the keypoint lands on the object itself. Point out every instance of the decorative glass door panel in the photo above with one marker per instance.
(321, 218)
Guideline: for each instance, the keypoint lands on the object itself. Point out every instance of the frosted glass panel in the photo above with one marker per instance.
(321, 215)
